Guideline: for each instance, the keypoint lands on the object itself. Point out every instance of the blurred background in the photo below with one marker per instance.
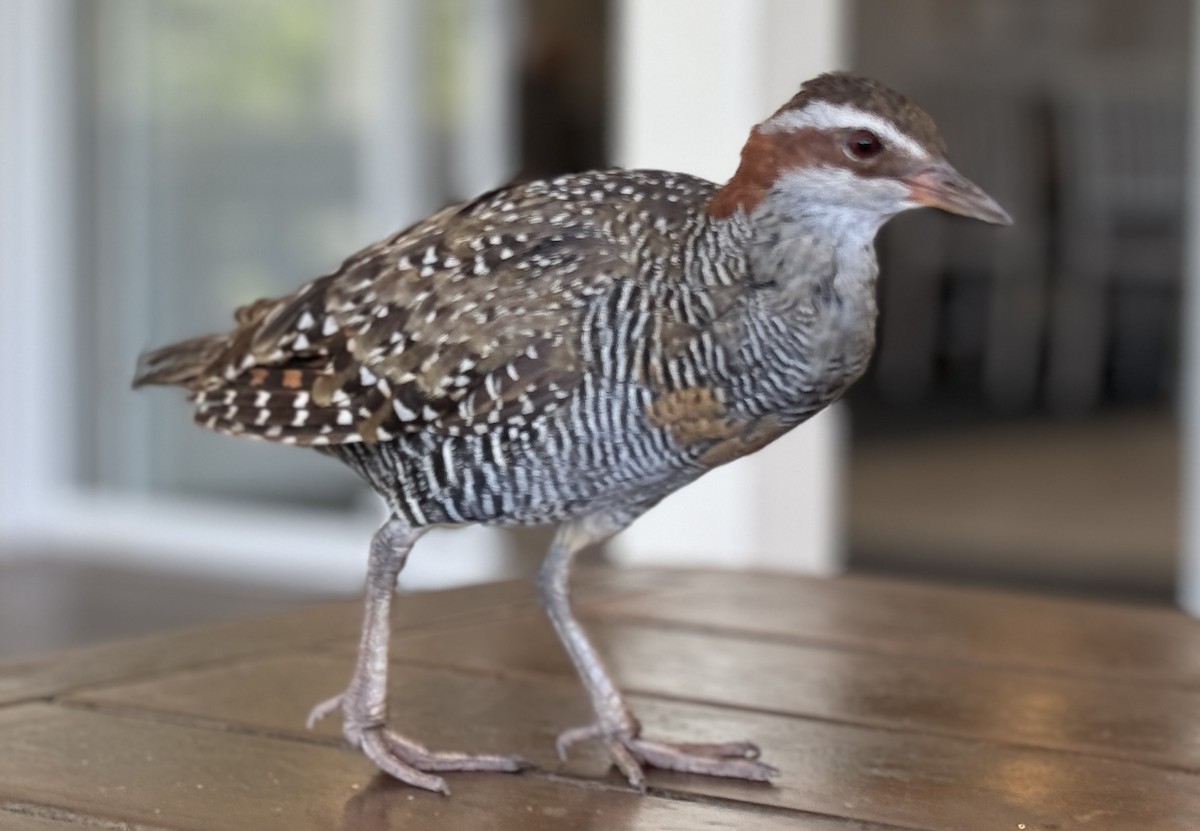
(164, 161)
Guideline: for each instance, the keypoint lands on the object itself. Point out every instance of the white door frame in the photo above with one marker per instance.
(36, 259)
(692, 77)
(1189, 563)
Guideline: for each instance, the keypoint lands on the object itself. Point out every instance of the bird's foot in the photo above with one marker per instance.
(630, 752)
(407, 760)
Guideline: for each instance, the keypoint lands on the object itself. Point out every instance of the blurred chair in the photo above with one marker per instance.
(1120, 144)
(997, 137)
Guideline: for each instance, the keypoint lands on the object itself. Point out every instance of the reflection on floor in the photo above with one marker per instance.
(48, 605)
(1087, 505)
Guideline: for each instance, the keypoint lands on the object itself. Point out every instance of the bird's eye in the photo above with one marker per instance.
(863, 144)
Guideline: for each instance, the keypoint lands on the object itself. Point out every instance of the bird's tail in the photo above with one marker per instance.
(179, 363)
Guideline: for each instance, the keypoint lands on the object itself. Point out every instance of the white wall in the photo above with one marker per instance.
(692, 77)
(45, 509)
(36, 233)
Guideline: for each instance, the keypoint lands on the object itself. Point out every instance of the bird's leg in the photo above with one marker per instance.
(615, 724)
(364, 702)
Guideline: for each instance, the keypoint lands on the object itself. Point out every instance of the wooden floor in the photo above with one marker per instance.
(886, 705)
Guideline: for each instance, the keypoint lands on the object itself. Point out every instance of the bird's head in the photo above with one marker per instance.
(851, 150)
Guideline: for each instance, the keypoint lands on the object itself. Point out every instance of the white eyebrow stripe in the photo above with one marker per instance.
(824, 116)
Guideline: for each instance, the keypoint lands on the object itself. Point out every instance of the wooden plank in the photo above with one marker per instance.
(1131, 644)
(329, 622)
(441, 708)
(24, 821)
(162, 653)
(1154, 725)
(121, 770)
(868, 774)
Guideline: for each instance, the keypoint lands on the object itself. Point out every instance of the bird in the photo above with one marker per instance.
(570, 351)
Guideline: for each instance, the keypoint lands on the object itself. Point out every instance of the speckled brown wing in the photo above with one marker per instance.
(468, 319)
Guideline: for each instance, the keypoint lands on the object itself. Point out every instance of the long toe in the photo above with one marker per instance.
(631, 753)
(719, 750)
(412, 762)
(627, 762)
(378, 749)
(733, 760)
(420, 757)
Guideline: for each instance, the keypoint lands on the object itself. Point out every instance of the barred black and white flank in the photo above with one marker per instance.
(572, 351)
